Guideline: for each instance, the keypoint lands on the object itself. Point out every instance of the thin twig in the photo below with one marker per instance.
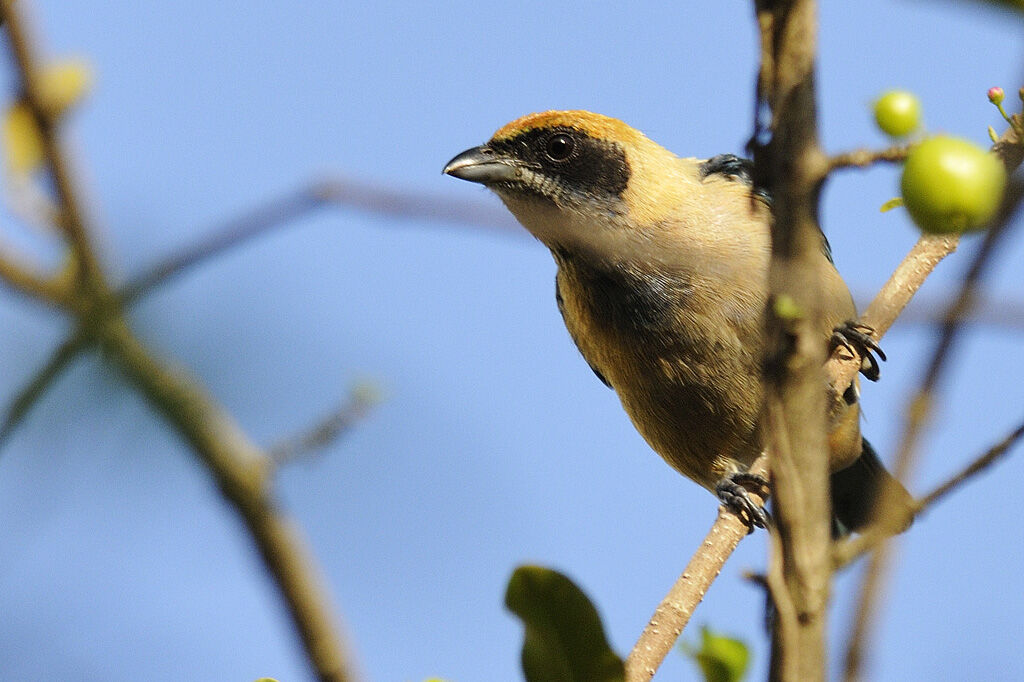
(72, 217)
(989, 311)
(234, 233)
(986, 460)
(849, 550)
(282, 211)
(674, 611)
(240, 469)
(25, 279)
(327, 430)
(30, 393)
(861, 158)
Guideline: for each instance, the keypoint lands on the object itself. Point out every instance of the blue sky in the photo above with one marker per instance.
(496, 446)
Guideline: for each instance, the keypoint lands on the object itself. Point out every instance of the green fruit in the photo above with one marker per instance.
(898, 113)
(950, 185)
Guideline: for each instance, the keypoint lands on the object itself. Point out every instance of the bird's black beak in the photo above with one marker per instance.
(480, 164)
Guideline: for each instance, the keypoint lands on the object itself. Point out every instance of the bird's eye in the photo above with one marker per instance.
(560, 146)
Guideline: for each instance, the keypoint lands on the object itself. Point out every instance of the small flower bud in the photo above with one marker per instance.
(995, 95)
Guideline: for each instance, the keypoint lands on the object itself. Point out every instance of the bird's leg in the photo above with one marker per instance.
(734, 495)
(857, 339)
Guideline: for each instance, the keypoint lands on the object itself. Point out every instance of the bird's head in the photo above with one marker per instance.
(576, 179)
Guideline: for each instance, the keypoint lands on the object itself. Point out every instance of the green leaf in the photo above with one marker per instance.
(721, 658)
(564, 639)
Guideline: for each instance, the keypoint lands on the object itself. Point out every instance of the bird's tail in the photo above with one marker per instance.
(863, 487)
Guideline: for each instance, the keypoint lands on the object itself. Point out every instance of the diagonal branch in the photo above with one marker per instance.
(72, 218)
(25, 279)
(241, 471)
(282, 211)
(31, 392)
(675, 609)
(239, 468)
(855, 547)
(918, 415)
(362, 397)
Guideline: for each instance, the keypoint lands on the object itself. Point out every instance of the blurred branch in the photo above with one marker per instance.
(918, 415)
(861, 158)
(25, 279)
(71, 218)
(240, 469)
(991, 456)
(988, 311)
(30, 393)
(1010, 148)
(848, 550)
(361, 399)
(282, 211)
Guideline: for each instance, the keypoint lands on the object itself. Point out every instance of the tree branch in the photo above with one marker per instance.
(30, 393)
(847, 551)
(674, 611)
(241, 471)
(792, 167)
(861, 158)
(917, 418)
(280, 212)
(25, 279)
(72, 219)
(328, 429)
(238, 467)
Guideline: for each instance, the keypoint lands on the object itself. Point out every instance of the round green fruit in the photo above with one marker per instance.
(951, 185)
(898, 113)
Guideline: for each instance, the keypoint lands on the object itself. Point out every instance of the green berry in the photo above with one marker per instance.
(951, 185)
(898, 113)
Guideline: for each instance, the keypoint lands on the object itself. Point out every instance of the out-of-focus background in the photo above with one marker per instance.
(495, 444)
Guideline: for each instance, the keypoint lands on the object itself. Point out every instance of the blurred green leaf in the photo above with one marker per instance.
(564, 639)
(721, 658)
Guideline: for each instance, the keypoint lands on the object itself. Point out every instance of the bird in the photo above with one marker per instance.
(662, 282)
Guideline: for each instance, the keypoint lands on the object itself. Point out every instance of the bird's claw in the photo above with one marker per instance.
(734, 495)
(857, 338)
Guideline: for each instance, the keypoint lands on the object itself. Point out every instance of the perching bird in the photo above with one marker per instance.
(662, 282)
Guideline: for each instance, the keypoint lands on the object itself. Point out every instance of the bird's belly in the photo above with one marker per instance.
(699, 414)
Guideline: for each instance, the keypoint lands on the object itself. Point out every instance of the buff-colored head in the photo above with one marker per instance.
(576, 177)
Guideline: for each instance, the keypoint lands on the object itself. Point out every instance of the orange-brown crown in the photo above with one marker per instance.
(595, 125)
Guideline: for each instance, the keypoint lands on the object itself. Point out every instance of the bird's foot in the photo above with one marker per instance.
(733, 493)
(857, 339)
